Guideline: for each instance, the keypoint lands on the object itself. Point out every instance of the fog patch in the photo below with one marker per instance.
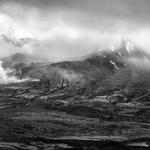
(7, 76)
(141, 63)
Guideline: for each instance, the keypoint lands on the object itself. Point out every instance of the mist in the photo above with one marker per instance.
(7, 76)
(65, 30)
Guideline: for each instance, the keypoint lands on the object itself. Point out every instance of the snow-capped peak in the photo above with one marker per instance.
(126, 48)
(127, 45)
(129, 49)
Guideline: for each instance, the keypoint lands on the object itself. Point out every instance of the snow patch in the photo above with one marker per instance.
(129, 46)
(113, 63)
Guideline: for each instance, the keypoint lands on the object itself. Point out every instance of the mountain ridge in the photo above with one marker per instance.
(96, 67)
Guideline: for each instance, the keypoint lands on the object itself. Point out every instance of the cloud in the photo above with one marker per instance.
(7, 76)
(73, 28)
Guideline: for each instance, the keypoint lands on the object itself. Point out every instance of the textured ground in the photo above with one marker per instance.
(36, 119)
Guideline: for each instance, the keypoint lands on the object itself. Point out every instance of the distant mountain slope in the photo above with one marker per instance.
(116, 67)
(21, 60)
(18, 58)
(97, 66)
(72, 71)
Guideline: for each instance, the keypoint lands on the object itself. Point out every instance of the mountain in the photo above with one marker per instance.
(114, 68)
(136, 72)
(98, 66)
(128, 49)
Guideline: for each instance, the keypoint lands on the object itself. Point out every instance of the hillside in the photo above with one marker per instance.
(99, 66)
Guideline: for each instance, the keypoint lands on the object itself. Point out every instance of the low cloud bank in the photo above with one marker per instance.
(7, 76)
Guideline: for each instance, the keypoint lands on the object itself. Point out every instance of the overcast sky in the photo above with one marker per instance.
(62, 29)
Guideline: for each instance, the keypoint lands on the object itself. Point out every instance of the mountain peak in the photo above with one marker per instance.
(129, 49)
(128, 46)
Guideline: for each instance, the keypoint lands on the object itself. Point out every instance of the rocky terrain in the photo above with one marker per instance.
(99, 102)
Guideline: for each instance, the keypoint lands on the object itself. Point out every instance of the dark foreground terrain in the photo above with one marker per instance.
(35, 118)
